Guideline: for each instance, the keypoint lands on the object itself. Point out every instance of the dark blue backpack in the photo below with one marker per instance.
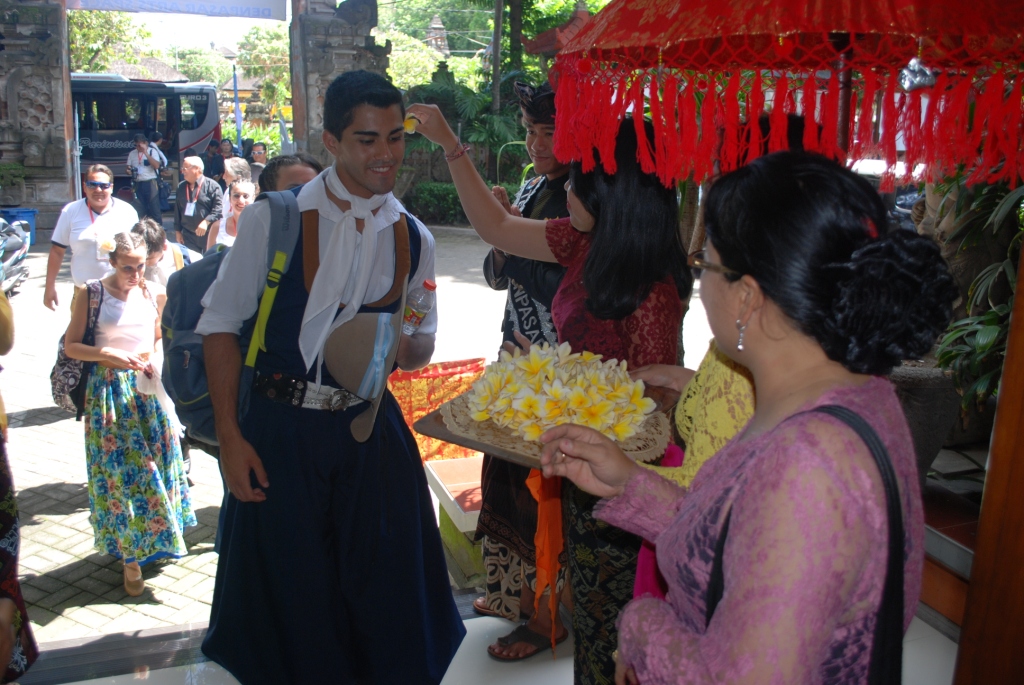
(184, 372)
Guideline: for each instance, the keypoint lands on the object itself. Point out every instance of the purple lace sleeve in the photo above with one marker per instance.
(801, 568)
(646, 507)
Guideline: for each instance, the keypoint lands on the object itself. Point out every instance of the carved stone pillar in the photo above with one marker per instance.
(35, 104)
(328, 40)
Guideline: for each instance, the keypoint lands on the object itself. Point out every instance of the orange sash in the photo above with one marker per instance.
(547, 540)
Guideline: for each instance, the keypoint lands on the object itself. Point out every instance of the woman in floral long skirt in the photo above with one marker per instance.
(138, 492)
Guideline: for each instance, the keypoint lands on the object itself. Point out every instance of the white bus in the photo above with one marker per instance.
(112, 109)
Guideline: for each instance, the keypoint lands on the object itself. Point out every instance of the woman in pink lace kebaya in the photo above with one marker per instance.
(806, 285)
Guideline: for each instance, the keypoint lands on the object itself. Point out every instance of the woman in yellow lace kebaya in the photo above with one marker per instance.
(715, 404)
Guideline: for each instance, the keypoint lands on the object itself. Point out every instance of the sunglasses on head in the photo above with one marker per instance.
(98, 184)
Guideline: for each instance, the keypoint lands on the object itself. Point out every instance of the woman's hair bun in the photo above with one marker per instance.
(892, 300)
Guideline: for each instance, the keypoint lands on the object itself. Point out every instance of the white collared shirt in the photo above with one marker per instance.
(234, 296)
(83, 230)
(137, 160)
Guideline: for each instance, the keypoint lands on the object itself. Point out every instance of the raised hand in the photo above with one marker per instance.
(587, 458)
(433, 126)
(502, 195)
(664, 375)
(522, 343)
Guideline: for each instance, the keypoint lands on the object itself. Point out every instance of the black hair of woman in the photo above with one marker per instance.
(817, 239)
(636, 238)
(268, 177)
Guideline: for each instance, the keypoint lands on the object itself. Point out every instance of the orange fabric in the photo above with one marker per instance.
(548, 539)
(421, 392)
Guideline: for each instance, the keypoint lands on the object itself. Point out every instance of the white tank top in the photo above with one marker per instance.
(127, 325)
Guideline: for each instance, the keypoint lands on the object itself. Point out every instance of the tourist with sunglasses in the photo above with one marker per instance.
(83, 226)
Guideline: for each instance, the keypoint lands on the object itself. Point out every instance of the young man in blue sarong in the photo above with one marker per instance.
(331, 568)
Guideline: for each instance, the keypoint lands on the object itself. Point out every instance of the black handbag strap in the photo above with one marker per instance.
(94, 290)
(887, 646)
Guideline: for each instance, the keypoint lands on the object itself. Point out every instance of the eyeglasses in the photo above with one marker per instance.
(98, 184)
(259, 152)
(698, 261)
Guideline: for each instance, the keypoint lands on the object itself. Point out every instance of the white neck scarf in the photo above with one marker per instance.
(349, 255)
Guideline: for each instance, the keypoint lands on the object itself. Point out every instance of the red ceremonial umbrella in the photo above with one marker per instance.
(705, 71)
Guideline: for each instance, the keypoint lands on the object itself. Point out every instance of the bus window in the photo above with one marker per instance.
(161, 115)
(85, 109)
(193, 110)
(133, 113)
(108, 111)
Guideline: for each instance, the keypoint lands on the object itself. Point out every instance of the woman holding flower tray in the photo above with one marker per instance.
(795, 554)
(621, 297)
(138, 491)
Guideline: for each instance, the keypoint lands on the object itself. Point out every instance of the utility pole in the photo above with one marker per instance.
(499, 11)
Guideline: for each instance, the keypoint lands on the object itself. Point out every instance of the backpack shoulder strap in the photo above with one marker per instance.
(285, 227)
(415, 243)
(179, 260)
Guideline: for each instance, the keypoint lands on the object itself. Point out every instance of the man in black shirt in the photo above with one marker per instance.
(198, 205)
(508, 516)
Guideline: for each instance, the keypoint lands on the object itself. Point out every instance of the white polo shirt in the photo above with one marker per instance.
(83, 230)
(146, 172)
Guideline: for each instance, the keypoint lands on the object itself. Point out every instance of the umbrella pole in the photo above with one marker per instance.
(842, 42)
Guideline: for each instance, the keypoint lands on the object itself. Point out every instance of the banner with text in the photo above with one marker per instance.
(250, 9)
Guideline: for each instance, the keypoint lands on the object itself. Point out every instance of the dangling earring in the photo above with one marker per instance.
(742, 328)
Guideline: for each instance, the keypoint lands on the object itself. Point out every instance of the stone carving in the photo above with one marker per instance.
(55, 155)
(33, 148)
(35, 104)
(12, 195)
(361, 13)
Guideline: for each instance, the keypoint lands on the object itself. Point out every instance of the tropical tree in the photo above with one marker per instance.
(199, 64)
(99, 38)
(264, 53)
(411, 62)
(470, 114)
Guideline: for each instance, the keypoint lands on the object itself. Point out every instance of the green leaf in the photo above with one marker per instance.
(1010, 203)
(986, 337)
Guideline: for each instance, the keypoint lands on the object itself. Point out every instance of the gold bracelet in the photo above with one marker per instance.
(459, 150)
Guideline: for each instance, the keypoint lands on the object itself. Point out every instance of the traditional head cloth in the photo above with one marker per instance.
(538, 103)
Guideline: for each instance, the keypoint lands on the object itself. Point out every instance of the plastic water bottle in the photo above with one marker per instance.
(418, 304)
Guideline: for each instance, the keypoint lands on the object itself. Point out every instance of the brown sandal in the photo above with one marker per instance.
(523, 634)
(134, 585)
(480, 607)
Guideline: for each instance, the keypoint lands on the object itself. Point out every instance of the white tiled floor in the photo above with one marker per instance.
(928, 659)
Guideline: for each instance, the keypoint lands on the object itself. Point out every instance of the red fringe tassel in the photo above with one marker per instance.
(968, 119)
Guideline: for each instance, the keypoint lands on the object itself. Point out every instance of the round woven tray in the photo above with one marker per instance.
(647, 445)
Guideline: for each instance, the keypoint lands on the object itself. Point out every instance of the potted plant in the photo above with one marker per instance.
(974, 346)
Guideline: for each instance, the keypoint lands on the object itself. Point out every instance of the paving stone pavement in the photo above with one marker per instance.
(73, 591)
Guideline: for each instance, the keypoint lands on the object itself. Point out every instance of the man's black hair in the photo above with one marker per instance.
(537, 104)
(354, 88)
